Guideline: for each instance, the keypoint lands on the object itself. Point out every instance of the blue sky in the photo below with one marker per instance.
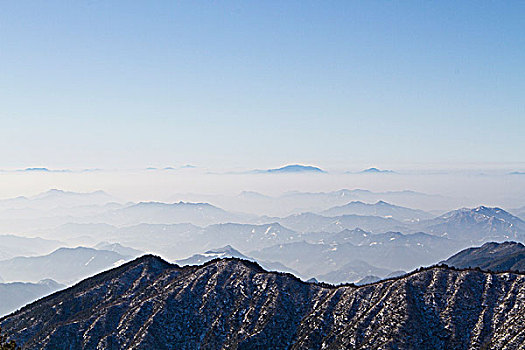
(260, 84)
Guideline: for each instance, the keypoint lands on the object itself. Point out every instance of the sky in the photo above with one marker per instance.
(255, 84)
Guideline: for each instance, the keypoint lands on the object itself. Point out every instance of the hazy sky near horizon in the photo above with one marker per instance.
(260, 84)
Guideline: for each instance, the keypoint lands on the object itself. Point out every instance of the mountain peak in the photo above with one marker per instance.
(481, 210)
(228, 249)
(380, 208)
(150, 259)
(295, 168)
(480, 224)
(376, 171)
(485, 209)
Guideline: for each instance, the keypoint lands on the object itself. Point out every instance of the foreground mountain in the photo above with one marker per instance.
(17, 294)
(379, 208)
(507, 256)
(150, 304)
(64, 265)
(481, 224)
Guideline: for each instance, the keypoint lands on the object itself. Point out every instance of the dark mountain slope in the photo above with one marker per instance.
(150, 304)
(231, 303)
(507, 256)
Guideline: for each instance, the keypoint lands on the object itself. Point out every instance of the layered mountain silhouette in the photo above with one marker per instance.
(310, 222)
(354, 271)
(64, 265)
(119, 249)
(11, 246)
(16, 294)
(294, 202)
(231, 303)
(319, 254)
(379, 208)
(57, 197)
(230, 252)
(168, 213)
(479, 224)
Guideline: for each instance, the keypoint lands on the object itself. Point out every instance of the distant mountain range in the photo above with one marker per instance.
(55, 197)
(52, 208)
(312, 244)
(45, 170)
(11, 246)
(321, 253)
(175, 241)
(17, 294)
(373, 278)
(429, 240)
(291, 169)
(32, 215)
(120, 249)
(201, 214)
(376, 171)
(220, 253)
(309, 222)
(246, 236)
(230, 252)
(231, 303)
(497, 257)
(379, 208)
(65, 265)
(481, 224)
(353, 272)
(340, 257)
(296, 202)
